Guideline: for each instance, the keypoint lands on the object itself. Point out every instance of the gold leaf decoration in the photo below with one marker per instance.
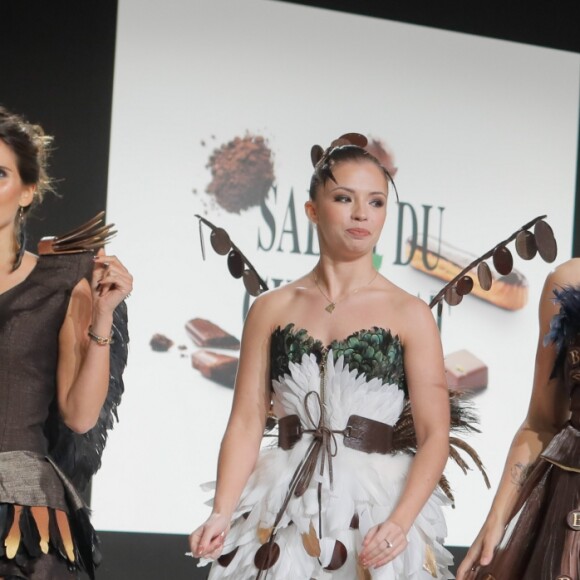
(362, 573)
(430, 564)
(311, 542)
(264, 534)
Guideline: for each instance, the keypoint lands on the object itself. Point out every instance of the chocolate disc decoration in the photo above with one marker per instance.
(220, 241)
(503, 260)
(464, 285)
(547, 247)
(355, 139)
(226, 559)
(316, 154)
(573, 520)
(484, 276)
(543, 237)
(235, 264)
(266, 556)
(251, 283)
(354, 522)
(340, 142)
(452, 297)
(526, 245)
(338, 556)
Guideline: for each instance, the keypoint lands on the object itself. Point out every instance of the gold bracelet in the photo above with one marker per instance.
(100, 340)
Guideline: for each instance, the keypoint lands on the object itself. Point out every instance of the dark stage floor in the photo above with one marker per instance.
(158, 557)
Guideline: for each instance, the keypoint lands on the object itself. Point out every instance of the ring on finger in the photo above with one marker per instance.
(389, 544)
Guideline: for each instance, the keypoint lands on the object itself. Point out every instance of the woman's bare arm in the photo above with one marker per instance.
(429, 397)
(83, 365)
(241, 442)
(547, 412)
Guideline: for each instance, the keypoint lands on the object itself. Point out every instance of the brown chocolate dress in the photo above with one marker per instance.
(44, 527)
(542, 541)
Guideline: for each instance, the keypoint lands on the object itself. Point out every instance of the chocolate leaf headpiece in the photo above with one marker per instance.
(320, 157)
(89, 237)
(528, 243)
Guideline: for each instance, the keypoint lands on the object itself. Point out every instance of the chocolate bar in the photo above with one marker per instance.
(206, 333)
(217, 367)
(465, 371)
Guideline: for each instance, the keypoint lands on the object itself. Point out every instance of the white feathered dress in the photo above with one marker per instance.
(361, 375)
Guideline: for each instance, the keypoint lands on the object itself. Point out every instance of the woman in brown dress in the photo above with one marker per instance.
(56, 317)
(532, 531)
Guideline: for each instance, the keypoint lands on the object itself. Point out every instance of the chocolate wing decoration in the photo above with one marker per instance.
(79, 456)
(541, 241)
(238, 265)
(463, 417)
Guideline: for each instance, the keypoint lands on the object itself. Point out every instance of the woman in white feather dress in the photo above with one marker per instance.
(337, 355)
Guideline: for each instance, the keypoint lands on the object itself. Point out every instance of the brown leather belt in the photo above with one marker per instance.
(360, 433)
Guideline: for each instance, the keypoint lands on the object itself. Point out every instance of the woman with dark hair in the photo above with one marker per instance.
(342, 355)
(532, 531)
(56, 323)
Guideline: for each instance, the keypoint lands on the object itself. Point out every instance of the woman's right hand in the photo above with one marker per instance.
(207, 541)
(482, 549)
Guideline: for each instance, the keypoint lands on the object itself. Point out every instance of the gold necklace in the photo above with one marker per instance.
(332, 303)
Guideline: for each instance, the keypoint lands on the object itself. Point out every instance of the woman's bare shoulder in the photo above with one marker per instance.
(403, 300)
(409, 313)
(565, 274)
(272, 302)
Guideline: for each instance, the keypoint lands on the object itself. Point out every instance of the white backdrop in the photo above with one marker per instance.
(483, 128)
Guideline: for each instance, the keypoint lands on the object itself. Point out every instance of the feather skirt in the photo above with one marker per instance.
(318, 539)
(365, 490)
(42, 518)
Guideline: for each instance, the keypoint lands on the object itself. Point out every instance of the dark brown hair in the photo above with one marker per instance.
(333, 156)
(31, 147)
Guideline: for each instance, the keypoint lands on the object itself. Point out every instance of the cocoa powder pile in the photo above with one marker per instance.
(242, 173)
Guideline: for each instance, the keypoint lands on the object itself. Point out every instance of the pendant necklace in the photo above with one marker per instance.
(333, 303)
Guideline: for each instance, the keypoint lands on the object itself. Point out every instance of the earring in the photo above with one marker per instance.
(21, 239)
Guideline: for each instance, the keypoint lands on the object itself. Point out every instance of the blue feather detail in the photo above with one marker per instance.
(566, 324)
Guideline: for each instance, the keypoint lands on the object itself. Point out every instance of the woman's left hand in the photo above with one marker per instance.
(382, 544)
(111, 283)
